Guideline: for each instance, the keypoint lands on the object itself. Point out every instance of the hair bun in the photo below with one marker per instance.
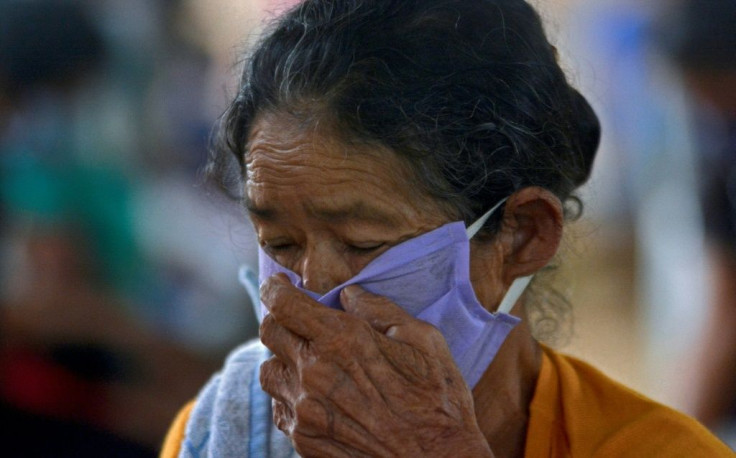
(585, 122)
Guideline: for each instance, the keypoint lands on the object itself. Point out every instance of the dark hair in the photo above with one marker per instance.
(469, 92)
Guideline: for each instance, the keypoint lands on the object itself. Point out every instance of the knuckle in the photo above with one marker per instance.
(284, 301)
(342, 328)
(266, 329)
(273, 290)
(338, 348)
(271, 372)
(265, 374)
(268, 289)
(424, 333)
(283, 417)
(427, 329)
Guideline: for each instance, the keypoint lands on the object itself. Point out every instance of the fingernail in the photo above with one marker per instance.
(351, 292)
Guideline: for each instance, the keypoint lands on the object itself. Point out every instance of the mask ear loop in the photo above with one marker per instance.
(514, 293)
(518, 285)
(248, 278)
(475, 227)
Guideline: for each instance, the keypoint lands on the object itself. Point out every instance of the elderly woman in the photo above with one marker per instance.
(407, 166)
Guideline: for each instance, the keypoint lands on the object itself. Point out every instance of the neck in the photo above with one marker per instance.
(504, 393)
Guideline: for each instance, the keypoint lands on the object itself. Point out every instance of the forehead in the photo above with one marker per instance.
(284, 151)
(294, 138)
(301, 175)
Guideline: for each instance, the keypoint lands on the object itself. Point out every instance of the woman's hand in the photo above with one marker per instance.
(370, 382)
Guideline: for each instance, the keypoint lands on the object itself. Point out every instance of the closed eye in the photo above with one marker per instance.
(278, 247)
(364, 248)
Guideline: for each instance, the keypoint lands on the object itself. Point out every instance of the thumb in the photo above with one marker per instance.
(387, 318)
(380, 312)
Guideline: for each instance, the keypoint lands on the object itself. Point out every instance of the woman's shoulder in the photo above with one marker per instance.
(177, 432)
(579, 408)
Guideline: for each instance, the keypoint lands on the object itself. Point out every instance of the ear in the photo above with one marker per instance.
(531, 231)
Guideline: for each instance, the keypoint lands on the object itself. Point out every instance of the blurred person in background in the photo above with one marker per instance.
(48, 364)
(98, 343)
(699, 36)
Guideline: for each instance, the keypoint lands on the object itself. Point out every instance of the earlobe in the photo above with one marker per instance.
(533, 220)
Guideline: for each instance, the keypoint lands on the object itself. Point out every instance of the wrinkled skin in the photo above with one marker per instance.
(371, 380)
(390, 389)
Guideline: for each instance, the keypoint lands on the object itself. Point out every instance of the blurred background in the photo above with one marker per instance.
(118, 285)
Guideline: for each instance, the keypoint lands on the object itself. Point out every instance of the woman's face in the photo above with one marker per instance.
(325, 209)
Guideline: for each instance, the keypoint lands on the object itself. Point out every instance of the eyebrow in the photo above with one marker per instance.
(358, 211)
(260, 212)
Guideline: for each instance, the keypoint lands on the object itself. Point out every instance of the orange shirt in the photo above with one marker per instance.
(175, 436)
(577, 411)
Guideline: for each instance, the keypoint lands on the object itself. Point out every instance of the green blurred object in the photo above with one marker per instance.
(93, 202)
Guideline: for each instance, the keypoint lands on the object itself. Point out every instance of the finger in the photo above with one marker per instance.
(298, 312)
(283, 416)
(278, 380)
(282, 342)
(378, 311)
(382, 314)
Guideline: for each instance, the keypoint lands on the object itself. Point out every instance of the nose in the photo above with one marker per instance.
(323, 268)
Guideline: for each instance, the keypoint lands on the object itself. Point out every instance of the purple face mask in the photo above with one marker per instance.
(428, 276)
